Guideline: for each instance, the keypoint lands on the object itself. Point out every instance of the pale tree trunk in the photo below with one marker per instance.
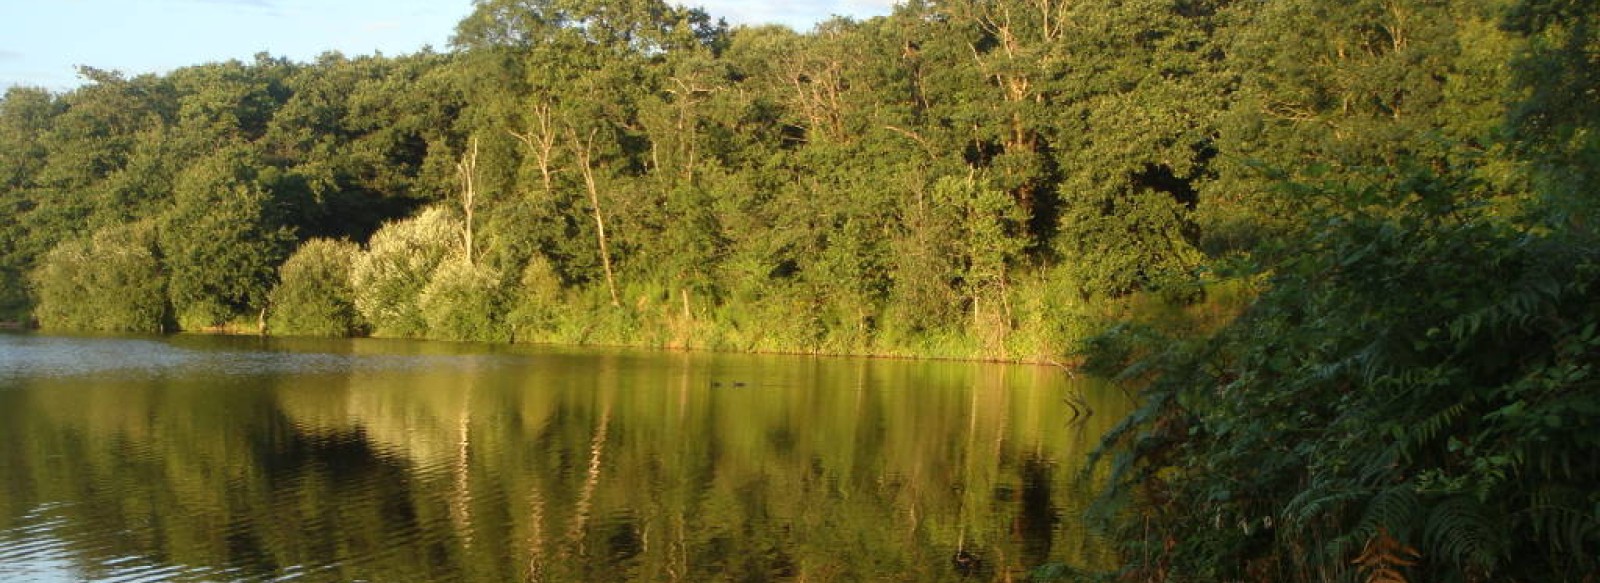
(541, 140)
(467, 168)
(998, 19)
(818, 88)
(689, 94)
(585, 151)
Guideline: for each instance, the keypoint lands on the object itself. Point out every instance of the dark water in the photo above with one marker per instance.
(213, 458)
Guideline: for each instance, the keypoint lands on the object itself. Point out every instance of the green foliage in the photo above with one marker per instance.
(463, 301)
(1410, 185)
(1139, 242)
(1368, 392)
(750, 174)
(961, 178)
(111, 282)
(1411, 397)
(534, 301)
(222, 241)
(314, 296)
(25, 116)
(389, 278)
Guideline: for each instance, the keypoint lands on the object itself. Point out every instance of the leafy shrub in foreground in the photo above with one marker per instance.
(111, 282)
(462, 302)
(390, 276)
(314, 296)
(1415, 396)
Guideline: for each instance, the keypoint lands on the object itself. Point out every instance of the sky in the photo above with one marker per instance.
(43, 41)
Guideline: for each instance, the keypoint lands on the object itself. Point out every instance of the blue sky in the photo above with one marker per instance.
(41, 41)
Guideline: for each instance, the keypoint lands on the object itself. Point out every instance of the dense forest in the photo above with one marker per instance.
(1348, 246)
(970, 179)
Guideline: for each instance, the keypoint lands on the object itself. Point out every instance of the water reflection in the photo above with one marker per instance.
(200, 458)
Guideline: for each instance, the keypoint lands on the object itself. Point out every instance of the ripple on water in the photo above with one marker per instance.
(32, 552)
(23, 356)
(601, 467)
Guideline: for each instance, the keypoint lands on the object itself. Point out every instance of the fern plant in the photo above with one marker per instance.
(1384, 558)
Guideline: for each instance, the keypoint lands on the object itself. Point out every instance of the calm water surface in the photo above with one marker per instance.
(213, 458)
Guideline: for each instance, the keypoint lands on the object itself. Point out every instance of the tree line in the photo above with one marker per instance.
(960, 178)
(991, 179)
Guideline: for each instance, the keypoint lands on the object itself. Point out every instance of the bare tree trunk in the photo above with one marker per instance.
(542, 141)
(468, 169)
(585, 152)
(689, 96)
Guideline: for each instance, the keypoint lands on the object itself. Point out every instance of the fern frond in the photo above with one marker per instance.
(1396, 506)
(1384, 556)
(1558, 516)
(1317, 501)
(1460, 530)
(1429, 428)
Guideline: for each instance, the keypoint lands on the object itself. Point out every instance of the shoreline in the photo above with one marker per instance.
(1068, 365)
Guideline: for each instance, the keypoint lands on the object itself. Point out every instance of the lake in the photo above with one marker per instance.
(207, 458)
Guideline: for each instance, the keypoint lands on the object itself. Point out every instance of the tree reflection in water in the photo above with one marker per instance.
(403, 461)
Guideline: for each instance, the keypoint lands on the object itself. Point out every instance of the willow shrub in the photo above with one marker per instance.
(536, 302)
(389, 278)
(111, 282)
(463, 301)
(314, 296)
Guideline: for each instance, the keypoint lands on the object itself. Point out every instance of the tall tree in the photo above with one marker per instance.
(223, 240)
(25, 118)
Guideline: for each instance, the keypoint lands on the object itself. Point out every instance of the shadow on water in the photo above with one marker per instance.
(200, 458)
